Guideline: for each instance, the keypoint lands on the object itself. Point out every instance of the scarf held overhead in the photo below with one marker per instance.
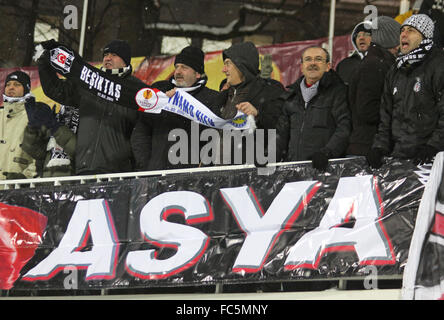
(137, 96)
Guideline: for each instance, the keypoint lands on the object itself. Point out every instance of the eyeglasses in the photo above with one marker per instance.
(317, 59)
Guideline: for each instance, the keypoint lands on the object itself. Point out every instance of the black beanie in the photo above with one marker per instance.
(121, 48)
(21, 77)
(192, 57)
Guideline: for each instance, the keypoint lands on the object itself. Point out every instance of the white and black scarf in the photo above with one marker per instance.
(69, 117)
(415, 55)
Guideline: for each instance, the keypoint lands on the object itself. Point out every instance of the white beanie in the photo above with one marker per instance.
(422, 23)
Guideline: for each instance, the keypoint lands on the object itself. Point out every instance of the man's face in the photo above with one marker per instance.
(363, 40)
(185, 76)
(14, 88)
(410, 39)
(234, 76)
(112, 61)
(314, 64)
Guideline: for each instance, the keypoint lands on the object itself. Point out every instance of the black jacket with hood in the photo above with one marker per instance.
(364, 96)
(258, 91)
(347, 66)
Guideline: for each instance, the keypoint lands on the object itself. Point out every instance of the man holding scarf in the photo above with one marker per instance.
(150, 140)
(412, 108)
(104, 131)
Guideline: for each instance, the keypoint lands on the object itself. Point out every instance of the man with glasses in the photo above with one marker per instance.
(361, 38)
(316, 121)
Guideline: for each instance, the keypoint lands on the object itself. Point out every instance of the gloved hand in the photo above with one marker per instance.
(424, 154)
(319, 160)
(374, 157)
(40, 114)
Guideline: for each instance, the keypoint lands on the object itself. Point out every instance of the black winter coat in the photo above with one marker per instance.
(324, 125)
(364, 96)
(150, 137)
(103, 136)
(412, 109)
(260, 93)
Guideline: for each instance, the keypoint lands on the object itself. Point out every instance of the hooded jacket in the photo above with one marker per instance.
(347, 66)
(150, 137)
(412, 107)
(254, 89)
(364, 96)
(14, 159)
(323, 125)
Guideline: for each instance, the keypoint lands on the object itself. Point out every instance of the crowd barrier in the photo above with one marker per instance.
(222, 226)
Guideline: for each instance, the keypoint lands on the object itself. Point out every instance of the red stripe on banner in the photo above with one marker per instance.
(438, 225)
(381, 225)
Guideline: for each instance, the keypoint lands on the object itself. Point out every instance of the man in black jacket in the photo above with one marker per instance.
(360, 38)
(249, 93)
(412, 108)
(150, 142)
(104, 131)
(365, 88)
(316, 123)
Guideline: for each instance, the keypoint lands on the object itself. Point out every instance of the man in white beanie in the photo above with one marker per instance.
(412, 108)
(367, 83)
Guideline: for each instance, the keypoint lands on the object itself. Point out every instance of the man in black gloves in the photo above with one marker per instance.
(316, 120)
(412, 108)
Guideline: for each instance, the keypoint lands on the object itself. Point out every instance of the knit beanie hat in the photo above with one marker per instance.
(21, 77)
(192, 57)
(386, 32)
(121, 48)
(422, 23)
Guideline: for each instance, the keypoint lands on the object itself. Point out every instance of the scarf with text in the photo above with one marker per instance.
(136, 95)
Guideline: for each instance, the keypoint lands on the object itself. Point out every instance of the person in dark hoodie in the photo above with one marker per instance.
(360, 38)
(149, 140)
(247, 92)
(316, 122)
(412, 107)
(367, 84)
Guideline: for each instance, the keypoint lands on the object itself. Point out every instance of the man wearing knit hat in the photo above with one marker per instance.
(150, 140)
(15, 163)
(360, 38)
(104, 131)
(412, 108)
(367, 83)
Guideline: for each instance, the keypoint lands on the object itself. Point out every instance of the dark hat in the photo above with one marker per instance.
(422, 23)
(121, 48)
(21, 77)
(385, 32)
(192, 57)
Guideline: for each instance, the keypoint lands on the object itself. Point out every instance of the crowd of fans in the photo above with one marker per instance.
(383, 100)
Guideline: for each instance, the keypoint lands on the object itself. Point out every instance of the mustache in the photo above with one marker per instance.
(313, 67)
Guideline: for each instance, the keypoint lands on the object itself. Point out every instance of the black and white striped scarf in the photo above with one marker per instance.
(120, 72)
(415, 55)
